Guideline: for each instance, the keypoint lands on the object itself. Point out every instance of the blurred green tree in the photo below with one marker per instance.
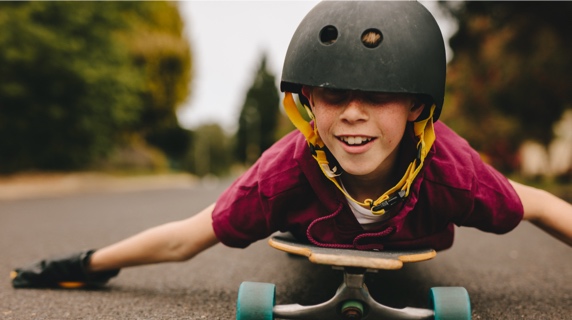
(511, 75)
(80, 79)
(211, 152)
(258, 117)
(159, 48)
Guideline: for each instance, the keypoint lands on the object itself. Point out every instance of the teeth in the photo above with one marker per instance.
(355, 140)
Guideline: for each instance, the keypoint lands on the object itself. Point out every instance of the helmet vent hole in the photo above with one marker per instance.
(328, 35)
(371, 38)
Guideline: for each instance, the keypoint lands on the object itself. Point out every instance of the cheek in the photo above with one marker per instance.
(323, 119)
(393, 127)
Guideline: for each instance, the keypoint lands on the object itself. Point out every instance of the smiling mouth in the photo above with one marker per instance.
(355, 141)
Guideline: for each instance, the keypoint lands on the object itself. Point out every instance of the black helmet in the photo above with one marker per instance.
(327, 50)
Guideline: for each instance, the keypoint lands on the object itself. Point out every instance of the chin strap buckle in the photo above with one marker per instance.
(392, 201)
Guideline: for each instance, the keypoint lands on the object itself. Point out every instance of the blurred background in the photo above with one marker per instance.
(138, 88)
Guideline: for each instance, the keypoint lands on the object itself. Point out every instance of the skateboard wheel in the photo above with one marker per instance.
(255, 301)
(450, 303)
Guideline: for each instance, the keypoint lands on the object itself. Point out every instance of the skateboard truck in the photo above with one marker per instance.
(351, 301)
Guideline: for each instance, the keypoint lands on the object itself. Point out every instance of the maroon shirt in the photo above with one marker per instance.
(286, 191)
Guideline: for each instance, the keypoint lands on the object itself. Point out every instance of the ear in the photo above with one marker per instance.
(415, 110)
(307, 93)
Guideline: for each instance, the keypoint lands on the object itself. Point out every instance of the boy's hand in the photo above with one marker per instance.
(63, 272)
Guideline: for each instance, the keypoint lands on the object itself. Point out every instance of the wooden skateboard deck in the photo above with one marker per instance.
(386, 260)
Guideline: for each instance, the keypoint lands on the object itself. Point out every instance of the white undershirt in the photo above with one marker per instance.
(363, 215)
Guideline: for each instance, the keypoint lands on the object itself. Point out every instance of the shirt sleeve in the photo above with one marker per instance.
(483, 197)
(256, 204)
(239, 217)
(496, 206)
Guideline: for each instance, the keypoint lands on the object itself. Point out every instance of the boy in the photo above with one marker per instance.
(372, 170)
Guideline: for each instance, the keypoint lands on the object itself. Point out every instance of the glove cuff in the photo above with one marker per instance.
(95, 278)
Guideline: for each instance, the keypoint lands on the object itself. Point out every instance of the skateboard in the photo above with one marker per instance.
(256, 301)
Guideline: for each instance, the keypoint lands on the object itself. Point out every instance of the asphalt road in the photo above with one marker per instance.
(523, 275)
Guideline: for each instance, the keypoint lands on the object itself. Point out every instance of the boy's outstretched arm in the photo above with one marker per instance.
(546, 211)
(175, 241)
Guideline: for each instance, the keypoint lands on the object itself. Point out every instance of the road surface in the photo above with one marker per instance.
(523, 275)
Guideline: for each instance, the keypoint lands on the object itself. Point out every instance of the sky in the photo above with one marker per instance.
(228, 39)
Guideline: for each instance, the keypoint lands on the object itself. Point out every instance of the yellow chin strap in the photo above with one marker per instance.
(423, 131)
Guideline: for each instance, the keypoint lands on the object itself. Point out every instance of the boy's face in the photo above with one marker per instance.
(362, 129)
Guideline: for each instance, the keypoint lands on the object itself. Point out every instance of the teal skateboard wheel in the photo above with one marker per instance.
(450, 303)
(255, 301)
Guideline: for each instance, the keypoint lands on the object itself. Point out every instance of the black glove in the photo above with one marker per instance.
(63, 272)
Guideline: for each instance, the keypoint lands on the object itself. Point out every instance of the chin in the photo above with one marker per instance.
(358, 171)
(358, 168)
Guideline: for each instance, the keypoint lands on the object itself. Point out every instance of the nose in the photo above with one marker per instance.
(354, 110)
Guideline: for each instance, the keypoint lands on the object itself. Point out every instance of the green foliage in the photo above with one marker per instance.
(161, 51)
(77, 79)
(211, 151)
(511, 72)
(61, 80)
(259, 117)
